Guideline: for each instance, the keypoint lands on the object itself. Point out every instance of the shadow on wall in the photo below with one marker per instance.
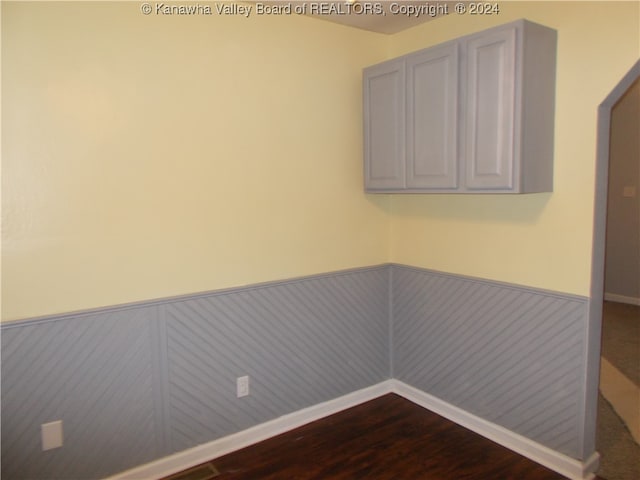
(500, 208)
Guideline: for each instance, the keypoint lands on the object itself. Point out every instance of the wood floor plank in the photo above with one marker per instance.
(386, 438)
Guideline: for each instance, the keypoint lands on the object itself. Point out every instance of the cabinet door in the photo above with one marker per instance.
(490, 110)
(432, 121)
(384, 126)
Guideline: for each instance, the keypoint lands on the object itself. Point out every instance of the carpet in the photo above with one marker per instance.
(620, 454)
(621, 338)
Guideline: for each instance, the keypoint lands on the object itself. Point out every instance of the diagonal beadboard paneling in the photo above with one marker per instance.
(510, 355)
(301, 343)
(135, 383)
(93, 372)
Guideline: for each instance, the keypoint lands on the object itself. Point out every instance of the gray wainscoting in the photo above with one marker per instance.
(511, 355)
(136, 383)
(93, 372)
(301, 343)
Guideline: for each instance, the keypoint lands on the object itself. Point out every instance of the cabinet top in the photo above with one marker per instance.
(521, 25)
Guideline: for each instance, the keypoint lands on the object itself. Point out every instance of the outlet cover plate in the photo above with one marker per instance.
(242, 386)
(52, 436)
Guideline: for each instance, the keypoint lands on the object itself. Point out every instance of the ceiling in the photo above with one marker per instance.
(382, 16)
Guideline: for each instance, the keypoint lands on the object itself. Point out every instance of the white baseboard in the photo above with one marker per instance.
(203, 453)
(564, 465)
(612, 297)
(551, 459)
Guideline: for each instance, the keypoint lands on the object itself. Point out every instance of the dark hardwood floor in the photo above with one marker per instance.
(386, 438)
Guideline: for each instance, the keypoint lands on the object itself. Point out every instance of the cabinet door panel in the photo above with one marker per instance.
(432, 104)
(490, 110)
(384, 126)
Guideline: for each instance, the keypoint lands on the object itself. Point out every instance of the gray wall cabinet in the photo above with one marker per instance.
(474, 115)
(385, 114)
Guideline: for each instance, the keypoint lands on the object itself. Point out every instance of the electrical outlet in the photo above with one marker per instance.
(242, 386)
(51, 434)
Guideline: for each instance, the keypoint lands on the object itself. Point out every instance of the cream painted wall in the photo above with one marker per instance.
(150, 156)
(541, 240)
